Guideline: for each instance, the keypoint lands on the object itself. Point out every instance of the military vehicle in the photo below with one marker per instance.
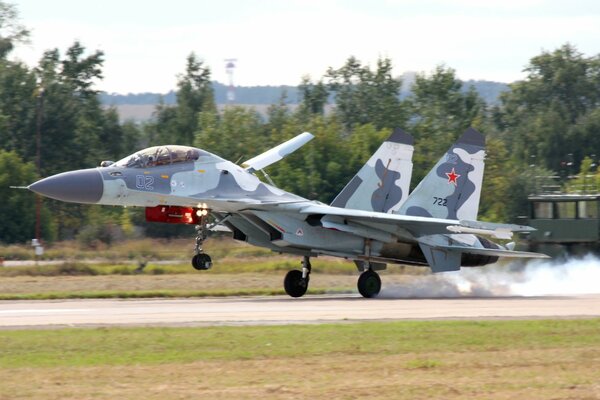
(565, 223)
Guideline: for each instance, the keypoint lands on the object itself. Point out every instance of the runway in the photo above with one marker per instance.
(284, 310)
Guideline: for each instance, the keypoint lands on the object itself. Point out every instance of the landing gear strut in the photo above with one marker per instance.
(201, 261)
(296, 281)
(369, 283)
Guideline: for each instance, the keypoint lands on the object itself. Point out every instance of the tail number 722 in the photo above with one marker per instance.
(440, 201)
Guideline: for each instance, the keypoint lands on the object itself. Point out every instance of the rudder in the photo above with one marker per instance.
(382, 184)
(452, 189)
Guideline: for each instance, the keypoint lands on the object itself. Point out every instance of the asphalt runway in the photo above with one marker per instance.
(284, 310)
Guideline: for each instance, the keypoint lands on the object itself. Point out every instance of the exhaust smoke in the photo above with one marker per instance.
(537, 278)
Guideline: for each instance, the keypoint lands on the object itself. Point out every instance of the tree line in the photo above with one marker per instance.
(545, 125)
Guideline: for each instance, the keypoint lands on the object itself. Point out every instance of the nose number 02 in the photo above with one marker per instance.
(145, 182)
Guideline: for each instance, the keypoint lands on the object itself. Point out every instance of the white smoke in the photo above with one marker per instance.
(536, 278)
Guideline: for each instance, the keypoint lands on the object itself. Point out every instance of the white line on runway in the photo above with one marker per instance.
(45, 311)
(284, 310)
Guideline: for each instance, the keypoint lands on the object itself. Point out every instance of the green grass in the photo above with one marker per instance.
(224, 266)
(136, 346)
(144, 294)
(154, 249)
(388, 360)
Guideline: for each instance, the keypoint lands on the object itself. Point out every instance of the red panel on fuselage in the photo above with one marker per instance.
(172, 215)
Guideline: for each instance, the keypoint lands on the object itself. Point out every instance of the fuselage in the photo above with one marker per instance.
(254, 211)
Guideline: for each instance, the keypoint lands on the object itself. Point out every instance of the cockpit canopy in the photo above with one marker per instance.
(162, 155)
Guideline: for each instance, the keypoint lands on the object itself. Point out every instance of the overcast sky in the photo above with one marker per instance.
(278, 41)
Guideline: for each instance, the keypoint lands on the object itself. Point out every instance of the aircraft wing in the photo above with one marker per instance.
(417, 226)
(277, 153)
(443, 241)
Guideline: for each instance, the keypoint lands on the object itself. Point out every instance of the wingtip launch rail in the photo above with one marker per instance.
(277, 153)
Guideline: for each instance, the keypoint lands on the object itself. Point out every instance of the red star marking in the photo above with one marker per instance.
(452, 176)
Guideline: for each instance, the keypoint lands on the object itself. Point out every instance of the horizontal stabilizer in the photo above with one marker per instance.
(441, 259)
(277, 153)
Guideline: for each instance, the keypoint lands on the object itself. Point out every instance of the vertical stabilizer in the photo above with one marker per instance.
(453, 187)
(382, 184)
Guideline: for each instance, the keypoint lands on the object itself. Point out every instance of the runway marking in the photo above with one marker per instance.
(284, 310)
(45, 310)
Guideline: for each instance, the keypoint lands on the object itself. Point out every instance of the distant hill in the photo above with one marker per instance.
(488, 90)
(139, 106)
(243, 95)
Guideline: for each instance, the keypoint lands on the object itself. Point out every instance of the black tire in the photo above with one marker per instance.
(369, 284)
(201, 262)
(294, 284)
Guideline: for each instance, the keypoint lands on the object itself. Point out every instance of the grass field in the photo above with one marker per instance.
(239, 269)
(153, 249)
(179, 285)
(395, 360)
(175, 285)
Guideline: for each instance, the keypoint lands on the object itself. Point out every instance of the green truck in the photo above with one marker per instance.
(565, 223)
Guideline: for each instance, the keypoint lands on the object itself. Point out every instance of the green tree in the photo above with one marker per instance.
(178, 124)
(585, 180)
(80, 72)
(313, 96)
(76, 132)
(18, 109)
(278, 116)
(11, 31)
(584, 136)
(237, 134)
(71, 114)
(18, 206)
(496, 191)
(439, 112)
(538, 117)
(363, 96)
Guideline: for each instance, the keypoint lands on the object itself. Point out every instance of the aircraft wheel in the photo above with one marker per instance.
(201, 262)
(369, 284)
(294, 284)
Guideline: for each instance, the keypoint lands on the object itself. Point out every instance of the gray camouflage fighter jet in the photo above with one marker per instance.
(373, 221)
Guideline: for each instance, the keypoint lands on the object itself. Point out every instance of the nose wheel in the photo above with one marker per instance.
(296, 281)
(201, 261)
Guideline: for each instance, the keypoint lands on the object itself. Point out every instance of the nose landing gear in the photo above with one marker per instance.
(201, 261)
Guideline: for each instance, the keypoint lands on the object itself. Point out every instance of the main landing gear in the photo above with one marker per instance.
(369, 283)
(201, 261)
(296, 281)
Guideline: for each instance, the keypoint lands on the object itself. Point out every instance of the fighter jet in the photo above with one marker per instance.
(374, 221)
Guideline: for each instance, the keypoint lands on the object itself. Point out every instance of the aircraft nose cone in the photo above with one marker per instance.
(83, 186)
